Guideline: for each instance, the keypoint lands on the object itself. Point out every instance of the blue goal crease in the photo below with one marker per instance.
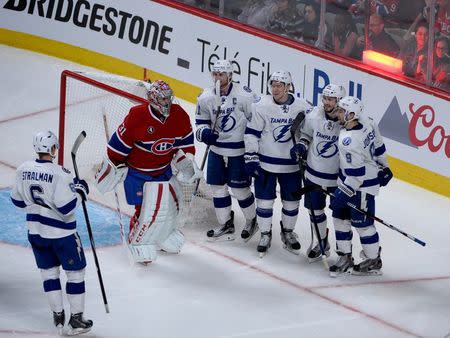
(104, 224)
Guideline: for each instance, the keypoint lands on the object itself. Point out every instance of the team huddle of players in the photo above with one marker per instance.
(273, 139)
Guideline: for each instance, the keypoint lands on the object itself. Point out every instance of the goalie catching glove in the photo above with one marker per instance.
(188, 171)
(109, 175)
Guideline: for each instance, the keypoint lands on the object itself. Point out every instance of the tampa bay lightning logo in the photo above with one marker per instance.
(162, 146)
(327, 149)
(281, 134)
(226, 122)
(346, 141)
(285, 108)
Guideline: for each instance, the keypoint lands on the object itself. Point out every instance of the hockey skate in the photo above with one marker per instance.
(249, 230)
(224, 232)
(289, 239)
(314, 254)
(78, 325)
(59, 318)
(343, 265)
(264, 243)
(369, 266)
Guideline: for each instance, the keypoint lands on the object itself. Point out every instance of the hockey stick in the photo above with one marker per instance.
(116, 195)
(375, 218)
(296, 125)
(205, 155)
(74, 150)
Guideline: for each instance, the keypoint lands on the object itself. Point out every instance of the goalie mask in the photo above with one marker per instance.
(347, 106)
(46, 142)
(160, 96)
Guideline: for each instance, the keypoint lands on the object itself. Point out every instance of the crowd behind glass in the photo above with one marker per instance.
(413, 31)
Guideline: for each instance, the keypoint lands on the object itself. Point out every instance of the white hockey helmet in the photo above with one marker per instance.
(351, 104)
(280, 76)
(222, 66)
(160, 96)
(44, 141)
(333, 90)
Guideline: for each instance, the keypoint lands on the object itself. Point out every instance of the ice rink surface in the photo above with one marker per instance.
(220, 289)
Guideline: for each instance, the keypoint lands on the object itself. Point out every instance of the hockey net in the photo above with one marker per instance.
(97, 103)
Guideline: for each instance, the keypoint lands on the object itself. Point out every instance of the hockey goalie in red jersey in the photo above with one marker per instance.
(140, 153)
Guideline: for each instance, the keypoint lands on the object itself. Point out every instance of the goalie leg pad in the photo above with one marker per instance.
(108, 175)
(158, 217)
(143, 253)
(173, 243)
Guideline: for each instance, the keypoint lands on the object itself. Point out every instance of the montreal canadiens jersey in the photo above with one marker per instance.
(321, 134)
(235, 112)
(47, 193)
(361, 152)
(268, 133)
(145, 143)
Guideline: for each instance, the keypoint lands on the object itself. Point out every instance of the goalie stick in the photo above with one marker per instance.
(73, 152)
(119, 213)
(296, 125)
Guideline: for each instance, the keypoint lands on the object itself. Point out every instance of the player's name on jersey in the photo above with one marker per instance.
(37, 176)
(328, 137)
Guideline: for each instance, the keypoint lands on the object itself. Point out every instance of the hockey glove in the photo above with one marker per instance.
(340, 199)
(81, 187)
(252, 165)
(209, 136)
(384, 176)
(298, 152)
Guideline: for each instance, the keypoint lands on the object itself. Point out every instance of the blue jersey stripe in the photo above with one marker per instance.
(276, 160)
(230, 145)
(116, 144)
(65, 209)
(319, 174)
(251, 131)
(17, 203)
(51, 222)
(355, 171)
(380, 150)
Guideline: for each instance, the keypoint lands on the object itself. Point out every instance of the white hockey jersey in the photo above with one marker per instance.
(47, 193)
(361, 153)
(320, 134)
(235, 112)
(268, 133)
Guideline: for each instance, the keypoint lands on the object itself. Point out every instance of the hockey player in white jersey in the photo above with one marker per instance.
(317, 140)
(223, 131)
(267, 158)
(363, 169)
(50, 195)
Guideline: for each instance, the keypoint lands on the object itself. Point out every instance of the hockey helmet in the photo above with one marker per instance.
(280, 76)
(222, 66)
(351, 104)
(333, 90)
(160, 96)
(44, 141)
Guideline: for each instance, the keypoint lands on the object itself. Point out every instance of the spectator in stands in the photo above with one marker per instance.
(442, 16)
(311, 25)
(345, 36)
(415, 50)
(286, 20)
(441, 64)
(379, 40)
(256, 13)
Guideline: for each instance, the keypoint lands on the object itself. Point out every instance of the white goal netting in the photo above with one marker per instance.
(97, 103)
